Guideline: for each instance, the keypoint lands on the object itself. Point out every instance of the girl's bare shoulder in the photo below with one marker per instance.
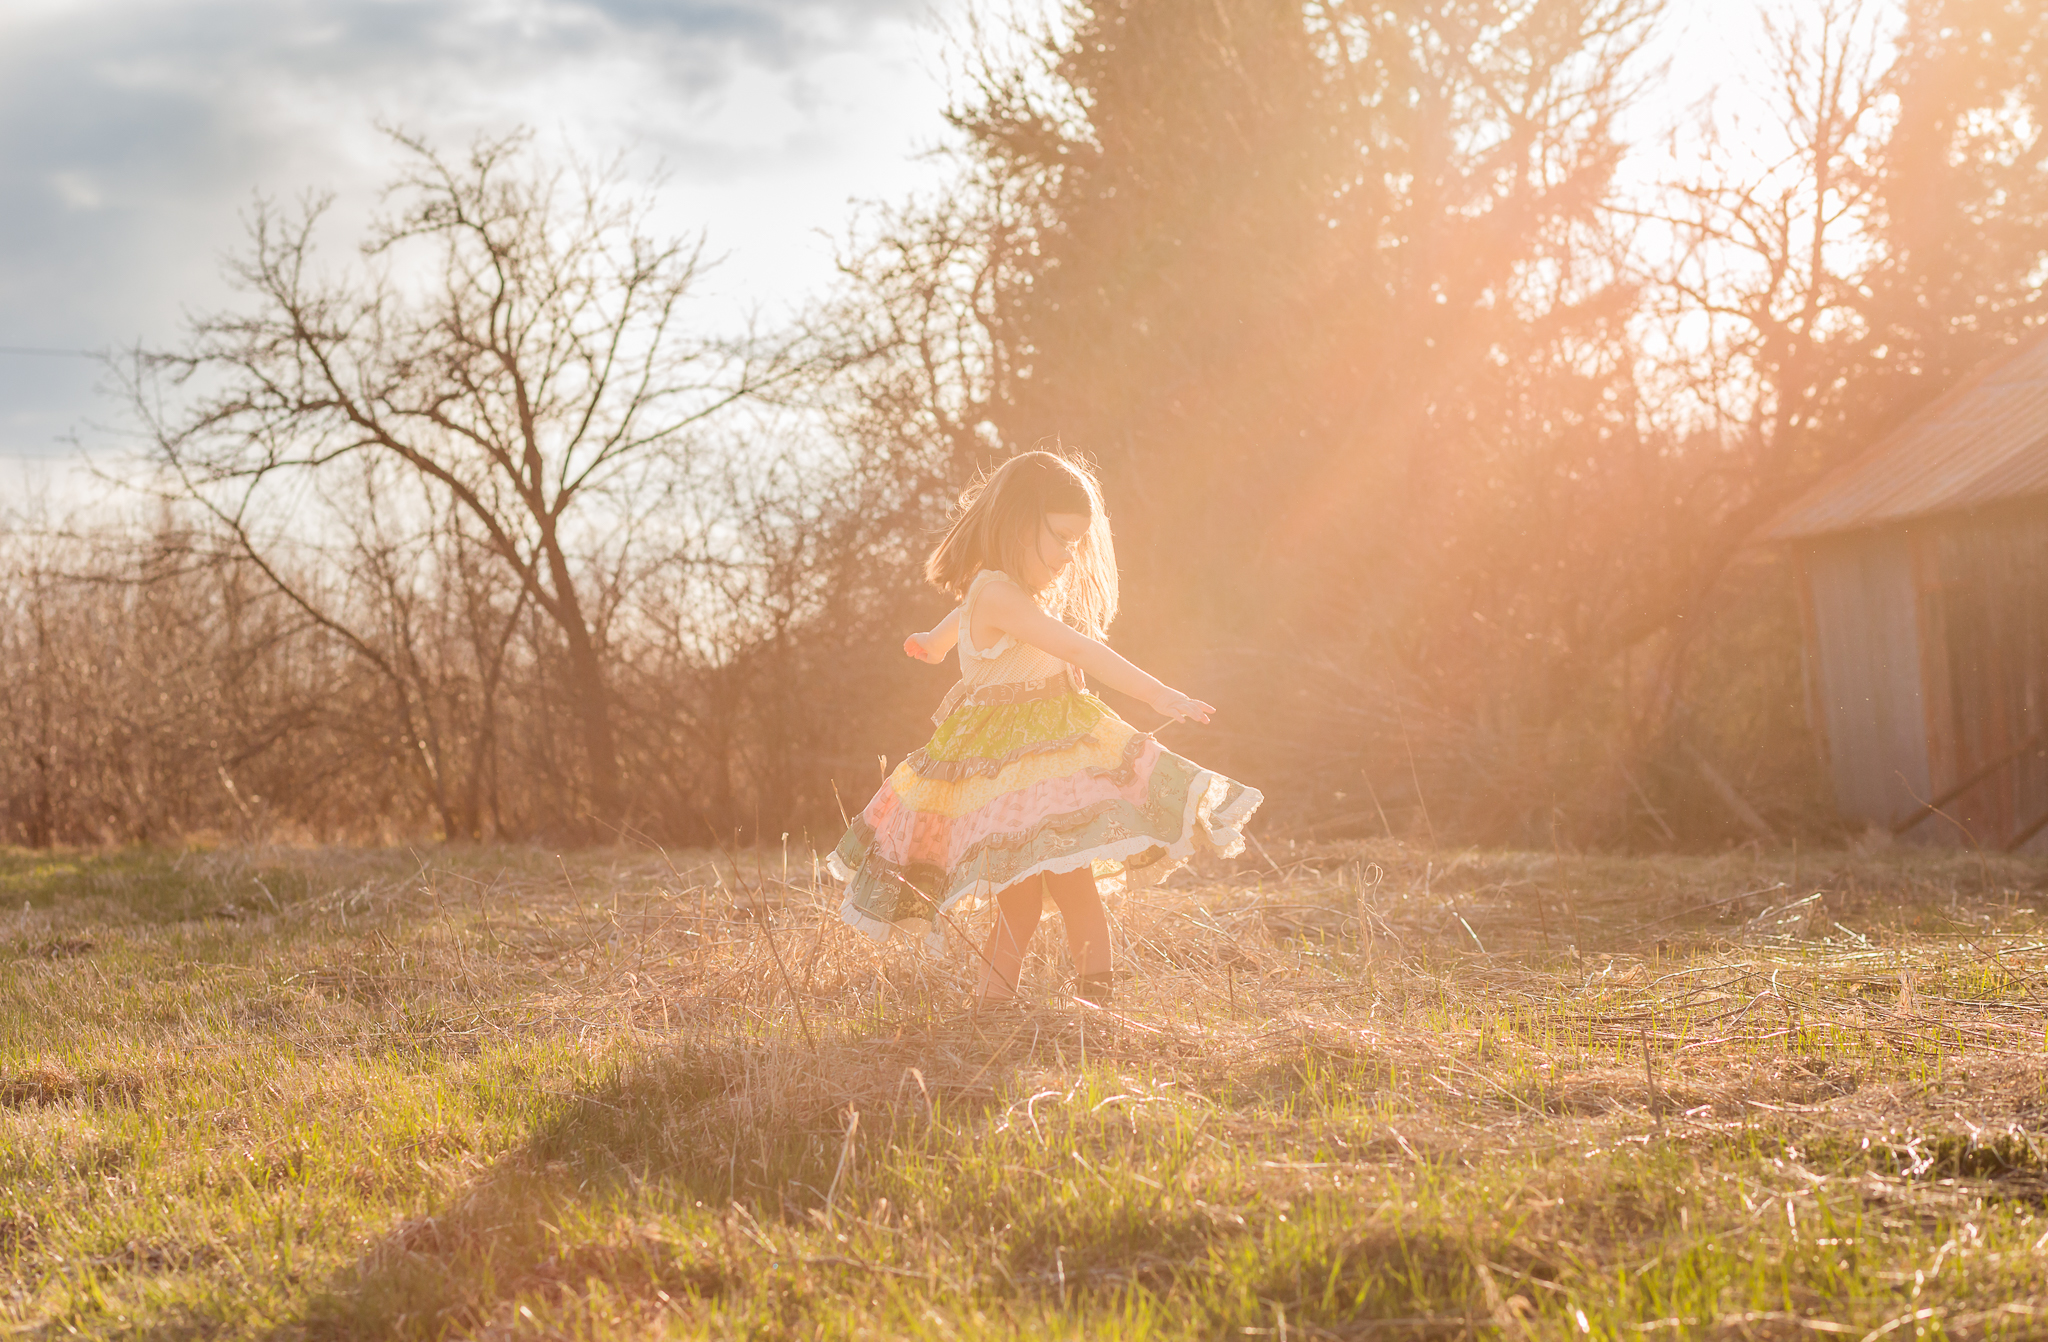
(1003, 593)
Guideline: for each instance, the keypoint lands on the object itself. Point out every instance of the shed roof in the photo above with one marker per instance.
(1984, 441)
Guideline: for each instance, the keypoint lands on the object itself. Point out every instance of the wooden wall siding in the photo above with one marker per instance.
(1866, 622)
(1988, 630)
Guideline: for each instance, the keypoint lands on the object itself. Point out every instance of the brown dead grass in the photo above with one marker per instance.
(624, 1093)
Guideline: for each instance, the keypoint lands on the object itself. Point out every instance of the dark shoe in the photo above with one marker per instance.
(1094, 988)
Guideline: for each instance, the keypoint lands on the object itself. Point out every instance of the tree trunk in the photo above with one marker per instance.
(593, 714)
(586, 688)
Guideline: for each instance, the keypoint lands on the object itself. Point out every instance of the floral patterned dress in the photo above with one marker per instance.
(1027, 774)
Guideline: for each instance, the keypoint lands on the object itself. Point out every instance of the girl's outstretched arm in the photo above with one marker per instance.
(1014, 613)
(933, 645)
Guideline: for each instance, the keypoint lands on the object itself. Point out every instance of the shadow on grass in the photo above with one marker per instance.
(692, 1185)
(735, 1144)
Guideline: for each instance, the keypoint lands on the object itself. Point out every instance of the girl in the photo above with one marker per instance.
(1031, 789)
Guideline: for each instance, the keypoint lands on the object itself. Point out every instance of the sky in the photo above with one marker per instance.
(134, 135)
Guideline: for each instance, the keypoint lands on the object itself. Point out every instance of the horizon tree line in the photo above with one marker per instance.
(1434, 444)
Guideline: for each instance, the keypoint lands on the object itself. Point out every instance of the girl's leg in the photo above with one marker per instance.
(1080, 906)
(1002, 957)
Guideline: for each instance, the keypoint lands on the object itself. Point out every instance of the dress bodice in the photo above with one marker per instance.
(1006, 661)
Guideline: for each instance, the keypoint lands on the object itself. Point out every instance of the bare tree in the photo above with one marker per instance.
(513, 349)
(1751, 262)
(1755, 259)
(150, 686)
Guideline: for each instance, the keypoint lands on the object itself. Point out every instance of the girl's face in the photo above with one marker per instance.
(1048, 557)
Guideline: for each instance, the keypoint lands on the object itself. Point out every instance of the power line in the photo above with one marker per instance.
(55, 353)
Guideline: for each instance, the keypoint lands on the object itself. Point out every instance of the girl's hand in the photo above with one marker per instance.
(914, 647)
(1174, 705)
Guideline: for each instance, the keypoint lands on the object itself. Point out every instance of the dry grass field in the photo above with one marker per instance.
(1347, 1091)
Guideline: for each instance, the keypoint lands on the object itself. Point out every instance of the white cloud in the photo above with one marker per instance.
(76, 189)
(134, 132)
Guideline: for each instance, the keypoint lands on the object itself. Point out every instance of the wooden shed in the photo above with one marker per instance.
(1924, 579)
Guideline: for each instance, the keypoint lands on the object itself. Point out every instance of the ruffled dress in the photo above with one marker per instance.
(1027, 774)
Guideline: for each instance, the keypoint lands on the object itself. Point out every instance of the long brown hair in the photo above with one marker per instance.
(999, 520)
